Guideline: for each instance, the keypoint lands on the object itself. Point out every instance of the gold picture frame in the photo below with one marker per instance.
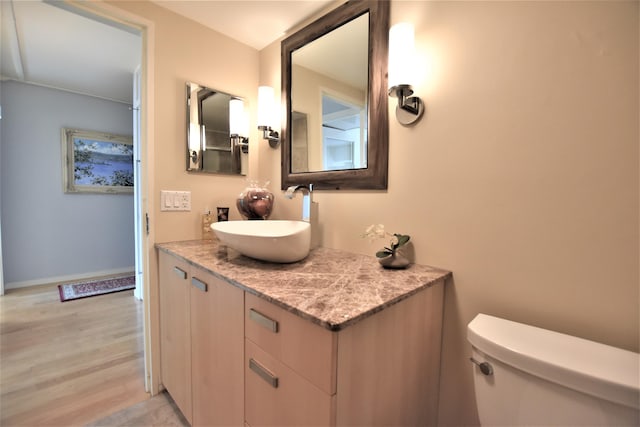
(97, 162)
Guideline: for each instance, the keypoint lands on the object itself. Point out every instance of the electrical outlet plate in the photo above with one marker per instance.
(175, 200)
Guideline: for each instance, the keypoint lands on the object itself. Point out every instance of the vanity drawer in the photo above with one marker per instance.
(308, 349)
(275, 395)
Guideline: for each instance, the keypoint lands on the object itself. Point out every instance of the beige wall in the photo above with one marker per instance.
(182, 51)
(522, 178)
(187, 51)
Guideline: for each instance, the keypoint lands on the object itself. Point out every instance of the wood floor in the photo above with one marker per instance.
(68, 364)
(159, 411)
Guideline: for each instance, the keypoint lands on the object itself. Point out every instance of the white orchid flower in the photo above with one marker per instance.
(377, 231)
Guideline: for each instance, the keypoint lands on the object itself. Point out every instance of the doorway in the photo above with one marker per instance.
(142, 110)
(105, 14)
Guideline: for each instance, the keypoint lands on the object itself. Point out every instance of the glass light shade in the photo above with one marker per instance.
(236, 117)
(265, 106)
(401, 54)
(194, 137)
(194, 127)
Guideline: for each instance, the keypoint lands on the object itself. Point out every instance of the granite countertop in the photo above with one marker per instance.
(331, 288)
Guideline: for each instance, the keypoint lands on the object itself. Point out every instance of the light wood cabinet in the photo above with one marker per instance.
(308, 349)
(276, 395)
(217, 343)
(202, 343)
(389, 364)
(290, 368)
(232, 358)
(175, 335)
(383, 370)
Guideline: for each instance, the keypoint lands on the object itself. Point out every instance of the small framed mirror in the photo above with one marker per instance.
(335, 133)
(212, 146)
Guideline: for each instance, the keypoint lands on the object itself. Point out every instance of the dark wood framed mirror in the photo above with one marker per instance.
(335, 133)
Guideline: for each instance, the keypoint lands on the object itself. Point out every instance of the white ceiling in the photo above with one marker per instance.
(256, 23)
(46, 45)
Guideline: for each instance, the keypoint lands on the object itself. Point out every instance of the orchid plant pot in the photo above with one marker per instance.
(389, 256)
(395, 261)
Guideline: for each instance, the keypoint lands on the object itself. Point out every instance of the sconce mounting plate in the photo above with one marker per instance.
(270, 135)
(406, 117)
(409, 108)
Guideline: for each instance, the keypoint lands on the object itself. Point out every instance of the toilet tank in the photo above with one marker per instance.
(541, 377)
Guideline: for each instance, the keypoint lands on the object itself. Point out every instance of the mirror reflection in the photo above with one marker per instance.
(329, 92)
(211, 147)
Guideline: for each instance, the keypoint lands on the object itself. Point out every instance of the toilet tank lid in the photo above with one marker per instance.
(597, 369)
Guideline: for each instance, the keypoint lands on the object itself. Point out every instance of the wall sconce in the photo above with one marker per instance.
(237, 124)
(265, 115)
(401, 66)
(193, 154)
(196, 133)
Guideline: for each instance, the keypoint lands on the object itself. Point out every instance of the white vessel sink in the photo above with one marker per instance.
(270, 240)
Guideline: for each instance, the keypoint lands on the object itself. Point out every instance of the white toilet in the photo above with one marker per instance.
(525, 375)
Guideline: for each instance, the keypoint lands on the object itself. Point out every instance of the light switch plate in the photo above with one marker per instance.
(175, 200)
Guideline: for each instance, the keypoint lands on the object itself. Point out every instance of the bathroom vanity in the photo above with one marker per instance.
(331, 340)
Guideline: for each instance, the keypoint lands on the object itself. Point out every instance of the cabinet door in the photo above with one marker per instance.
(389, 364)
(217, 344)
(175, 343)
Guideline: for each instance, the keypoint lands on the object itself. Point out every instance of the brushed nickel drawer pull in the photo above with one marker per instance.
(263, 373)
(263, 320)
(199, 284)
(180, 272)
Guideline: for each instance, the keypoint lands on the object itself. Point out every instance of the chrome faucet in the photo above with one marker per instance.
(307, 198)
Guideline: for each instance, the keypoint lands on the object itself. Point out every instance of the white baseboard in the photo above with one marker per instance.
(69, 278)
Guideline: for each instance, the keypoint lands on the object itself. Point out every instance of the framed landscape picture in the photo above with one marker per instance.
(96, 162)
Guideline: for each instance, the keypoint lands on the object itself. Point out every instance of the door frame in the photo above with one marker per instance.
(139, 214)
